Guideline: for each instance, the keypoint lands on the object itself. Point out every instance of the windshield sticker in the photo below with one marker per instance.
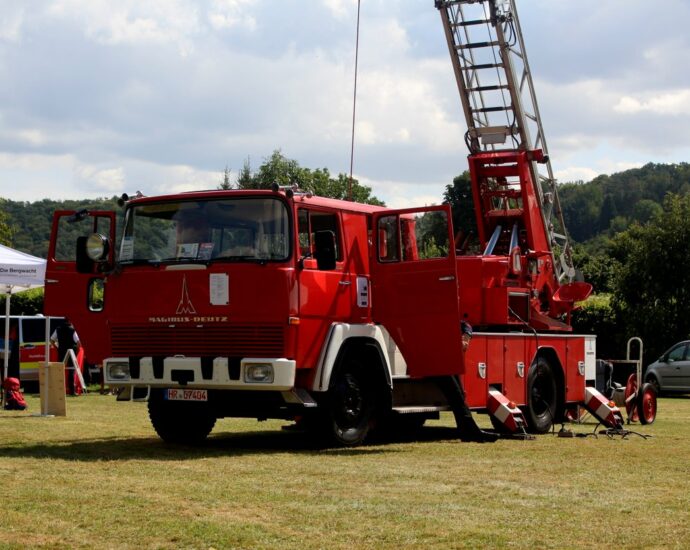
(127, 249)
(187, 250)
(205, 251)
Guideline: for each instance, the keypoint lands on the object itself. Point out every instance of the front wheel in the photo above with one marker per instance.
(181, 422)
(349, 406)
(542, 397)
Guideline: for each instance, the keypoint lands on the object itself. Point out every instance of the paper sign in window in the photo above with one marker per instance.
(219, 289)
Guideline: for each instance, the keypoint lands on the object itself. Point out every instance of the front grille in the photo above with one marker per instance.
(196, 341)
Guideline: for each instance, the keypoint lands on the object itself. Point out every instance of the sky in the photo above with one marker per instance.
(99, 97)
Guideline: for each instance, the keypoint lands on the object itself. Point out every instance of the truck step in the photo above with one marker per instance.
(420, 410)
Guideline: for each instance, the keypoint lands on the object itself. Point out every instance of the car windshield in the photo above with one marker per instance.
(236, 229)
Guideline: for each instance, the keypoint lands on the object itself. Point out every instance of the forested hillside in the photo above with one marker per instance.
(613, 202)
(30, 222)
(599, 208)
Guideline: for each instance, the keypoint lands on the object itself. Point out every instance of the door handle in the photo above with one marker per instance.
(448, 278)
(344, 283)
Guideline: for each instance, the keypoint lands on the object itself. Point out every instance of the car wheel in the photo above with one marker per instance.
(654, 381)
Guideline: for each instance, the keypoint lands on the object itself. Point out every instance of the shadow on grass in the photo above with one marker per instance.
(222, 444)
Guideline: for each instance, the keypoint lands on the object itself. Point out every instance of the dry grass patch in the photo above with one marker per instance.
(101, 478)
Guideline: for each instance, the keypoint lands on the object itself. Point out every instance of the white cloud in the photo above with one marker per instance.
(101, 180)
(226, 14)
(100, 97)
(35, 162)
(133, 22)
(11, 21)
(341, 8)
(669, 103)
(575, 173)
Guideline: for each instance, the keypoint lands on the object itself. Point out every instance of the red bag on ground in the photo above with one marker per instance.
(14, 400)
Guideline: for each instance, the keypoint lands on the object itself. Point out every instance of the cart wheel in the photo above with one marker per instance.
(646, 403)
(631, 404)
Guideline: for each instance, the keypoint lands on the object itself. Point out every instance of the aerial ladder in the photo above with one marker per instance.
(514, 190)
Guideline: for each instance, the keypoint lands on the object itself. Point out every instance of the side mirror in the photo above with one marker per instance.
(92, 250)
(325, 250)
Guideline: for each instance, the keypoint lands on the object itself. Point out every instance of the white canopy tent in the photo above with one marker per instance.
(18, 272)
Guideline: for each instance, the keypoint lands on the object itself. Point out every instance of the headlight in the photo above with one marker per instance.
(97, 247)
(118, 371)
(258, 373)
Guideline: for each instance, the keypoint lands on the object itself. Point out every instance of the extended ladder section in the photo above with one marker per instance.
(497, 93)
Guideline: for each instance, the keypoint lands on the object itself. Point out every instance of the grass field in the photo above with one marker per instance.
(100, 478)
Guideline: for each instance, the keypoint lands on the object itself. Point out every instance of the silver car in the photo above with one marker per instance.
(671, 372)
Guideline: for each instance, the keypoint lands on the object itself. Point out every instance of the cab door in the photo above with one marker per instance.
(415, 288)
(325, 295)
(81, 297)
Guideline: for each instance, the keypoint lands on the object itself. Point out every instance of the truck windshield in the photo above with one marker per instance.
(236, 229)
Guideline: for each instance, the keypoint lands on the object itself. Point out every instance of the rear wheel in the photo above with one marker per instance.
(646, 404)
(183, 422)
(542, 397)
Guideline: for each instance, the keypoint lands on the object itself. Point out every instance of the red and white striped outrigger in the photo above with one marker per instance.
(603, 409)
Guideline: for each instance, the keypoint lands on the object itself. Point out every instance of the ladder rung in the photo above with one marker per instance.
(475, 45)
(491, 109)
(471, 22)
(488, 88)
(482, 66)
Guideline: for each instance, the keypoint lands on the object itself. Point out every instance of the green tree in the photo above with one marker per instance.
(459, 196)
(225, 184)
(597, 316)
(652, 286)
(244, 178)
(5, 228)
(608, 213)
(287, 172)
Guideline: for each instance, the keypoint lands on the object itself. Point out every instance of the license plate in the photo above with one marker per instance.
(186, 395)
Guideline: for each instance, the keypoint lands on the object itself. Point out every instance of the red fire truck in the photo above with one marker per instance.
(279, 304)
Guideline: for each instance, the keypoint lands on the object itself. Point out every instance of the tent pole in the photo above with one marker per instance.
(7, 332)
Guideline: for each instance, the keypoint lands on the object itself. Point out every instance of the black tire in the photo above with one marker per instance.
(646, 403)
(180, 422)
(349, 405)
(542, 397)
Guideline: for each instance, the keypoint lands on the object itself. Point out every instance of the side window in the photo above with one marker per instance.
(677, 354)
(388, 238)
(33, 331)
(309, 222)
(412, 237)
(303, 232)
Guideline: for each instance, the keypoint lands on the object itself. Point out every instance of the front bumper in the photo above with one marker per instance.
(190, 372)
